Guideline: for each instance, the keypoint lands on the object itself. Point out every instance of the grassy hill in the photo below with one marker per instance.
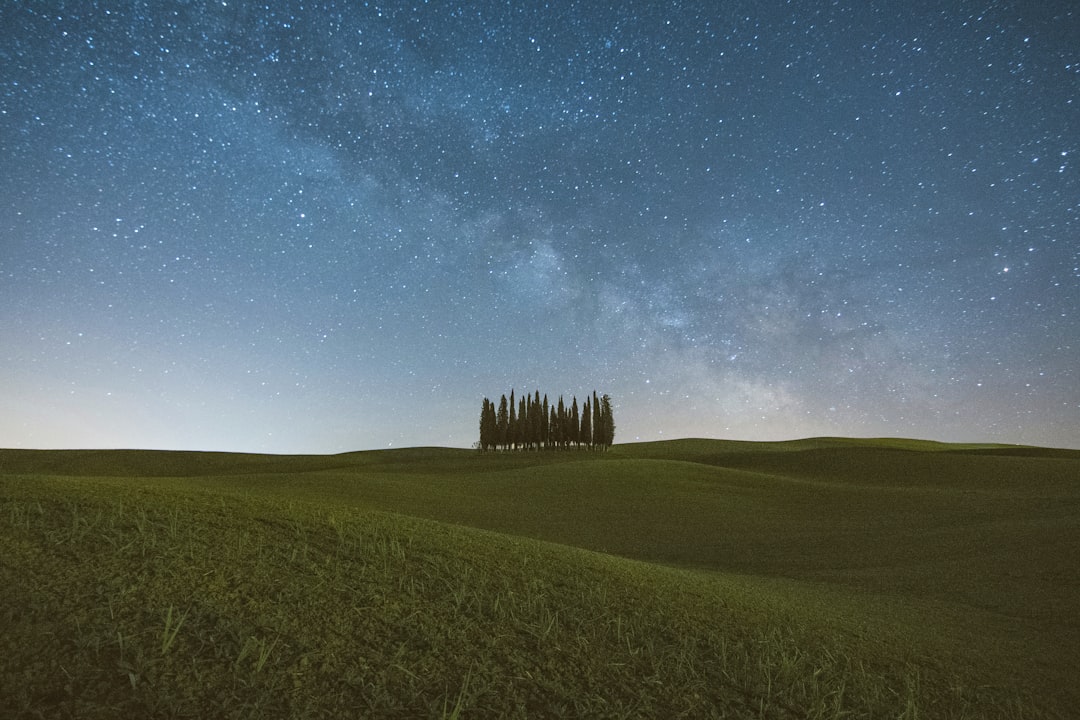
(699, 578)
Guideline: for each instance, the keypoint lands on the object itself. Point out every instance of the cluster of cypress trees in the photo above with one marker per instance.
(533, 424)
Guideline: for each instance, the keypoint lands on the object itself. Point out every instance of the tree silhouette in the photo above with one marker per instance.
(523, 424)
(607, 422)
(502, 424)
(545, 427)
(575, 423)
(586, 432)
(489, 430)
(561, 424)
(512, 427)
(532, 423)
(597, 437)
(536, 421)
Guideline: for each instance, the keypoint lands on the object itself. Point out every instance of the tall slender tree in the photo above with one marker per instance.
(575, 427)
(523, 423)
(597, 436)
(503, 424)
(560, 424)
(545, 419)
(485, 429)
(586, 425)
(492, 427)
(536, 421)
(512, 427)
(607, 420)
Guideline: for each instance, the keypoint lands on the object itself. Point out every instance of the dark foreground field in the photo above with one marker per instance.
(814, 579)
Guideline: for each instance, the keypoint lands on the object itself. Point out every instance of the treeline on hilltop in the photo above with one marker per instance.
(533, 424)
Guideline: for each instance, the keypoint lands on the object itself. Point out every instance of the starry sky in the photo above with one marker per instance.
(318, 226)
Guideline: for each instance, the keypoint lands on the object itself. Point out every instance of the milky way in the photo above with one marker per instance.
(319, 226)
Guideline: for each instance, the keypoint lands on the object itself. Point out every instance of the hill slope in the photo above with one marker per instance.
(871, 576)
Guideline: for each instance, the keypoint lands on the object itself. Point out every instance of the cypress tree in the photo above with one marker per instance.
(545, 424)
(503, 424)
(536, 421)
(586, 425)
(492, 427)
(597, 435)
(485, 438)
(575, 428)
(608, 421)
(561, 424)
(523, 422)
(553, 428)
(512, 427)
(483, 430)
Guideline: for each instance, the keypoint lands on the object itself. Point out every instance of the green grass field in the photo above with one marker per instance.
(823, 578)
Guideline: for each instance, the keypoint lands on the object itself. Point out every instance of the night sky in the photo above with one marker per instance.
(318, 227)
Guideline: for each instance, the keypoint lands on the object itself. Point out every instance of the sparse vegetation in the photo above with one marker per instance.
(820, 579)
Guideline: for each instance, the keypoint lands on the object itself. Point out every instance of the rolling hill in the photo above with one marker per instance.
(827, 577)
